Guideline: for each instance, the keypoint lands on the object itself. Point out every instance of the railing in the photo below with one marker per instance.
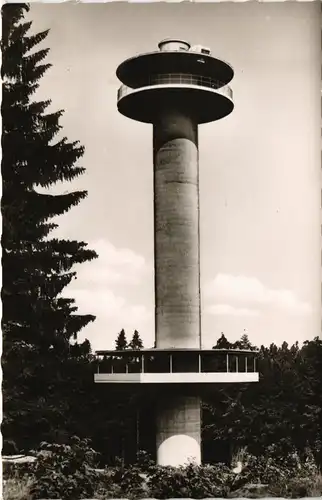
(178, 363)
(179, 79)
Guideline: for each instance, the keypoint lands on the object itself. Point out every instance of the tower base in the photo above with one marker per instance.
(178, 424)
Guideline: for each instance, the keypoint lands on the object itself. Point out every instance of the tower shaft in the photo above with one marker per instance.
(176, 216)
(178, 429)
(177, 275)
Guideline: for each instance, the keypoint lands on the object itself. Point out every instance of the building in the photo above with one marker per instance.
(175, 89)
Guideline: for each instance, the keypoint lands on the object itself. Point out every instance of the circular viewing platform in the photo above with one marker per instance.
(179, 366)
(204, 98)
(186, 79)
(180, 79)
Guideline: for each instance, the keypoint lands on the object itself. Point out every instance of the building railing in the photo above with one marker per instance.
(179, 79)
(195, 362)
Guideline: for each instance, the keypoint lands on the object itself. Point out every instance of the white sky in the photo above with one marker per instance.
(259, 168)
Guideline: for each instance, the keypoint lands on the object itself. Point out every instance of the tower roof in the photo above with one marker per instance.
(169, 43)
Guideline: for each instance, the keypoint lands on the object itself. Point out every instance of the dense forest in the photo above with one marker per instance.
(283, 410)
(48, 377)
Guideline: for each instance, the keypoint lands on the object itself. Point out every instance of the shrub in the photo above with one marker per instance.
(125, 482)
(144, 462)
(68, 472)
(65, 471)
(290, 476)
(295, 488)
(191, 481)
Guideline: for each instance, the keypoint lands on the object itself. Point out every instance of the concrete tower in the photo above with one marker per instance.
(175, 89)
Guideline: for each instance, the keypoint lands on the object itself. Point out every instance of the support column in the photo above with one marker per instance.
(176, 216)
(177, 276)
(178, 437)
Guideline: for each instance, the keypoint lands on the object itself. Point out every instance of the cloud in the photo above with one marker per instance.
(113, 265)
(113, 312)
(103, 289)
(108, 305)
(227, 310)
(242, 293)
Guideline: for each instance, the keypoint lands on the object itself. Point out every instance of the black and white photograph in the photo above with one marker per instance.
(161, 250)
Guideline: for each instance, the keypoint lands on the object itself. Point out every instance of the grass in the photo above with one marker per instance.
(17, 489)
(20, 489)
(316, 487)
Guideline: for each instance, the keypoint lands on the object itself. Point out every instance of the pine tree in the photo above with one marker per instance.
(222, 343)
(121, 341)
(136, 341)
(37, 322)
(244, 343)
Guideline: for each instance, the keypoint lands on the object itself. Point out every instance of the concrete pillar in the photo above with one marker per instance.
(176, 215)
(177, 276)
(178, 431)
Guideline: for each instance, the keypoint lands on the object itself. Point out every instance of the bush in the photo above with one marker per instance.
(191, 481)
(291, 476)
(144, 462)
(65, 471)
(297, 488)
(68, 472)
(124, 482)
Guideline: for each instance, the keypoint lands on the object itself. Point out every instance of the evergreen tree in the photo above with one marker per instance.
(121, 341)
(283, 409)
(136, 341)
(37, 322)
(222, 343)
(244, 343)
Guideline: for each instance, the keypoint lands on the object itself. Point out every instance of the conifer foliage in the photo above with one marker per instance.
(121, 341)
(37, 321)
(136, 341)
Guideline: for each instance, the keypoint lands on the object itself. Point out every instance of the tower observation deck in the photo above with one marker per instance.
(175, 89)
(177, 77)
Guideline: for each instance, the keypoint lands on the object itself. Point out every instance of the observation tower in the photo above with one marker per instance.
(175, 89)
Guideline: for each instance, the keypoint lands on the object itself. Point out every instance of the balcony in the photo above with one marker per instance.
(202, 97)
(179, 79)
(192, 366)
